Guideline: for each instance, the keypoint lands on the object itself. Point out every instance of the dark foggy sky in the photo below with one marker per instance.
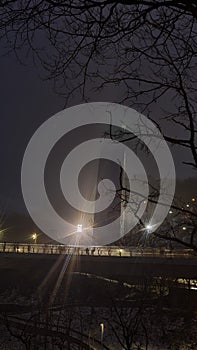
(26, 102)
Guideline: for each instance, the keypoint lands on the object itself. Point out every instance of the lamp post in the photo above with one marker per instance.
(34, 236)
(148, 228)
(102, 332)
(79, 228)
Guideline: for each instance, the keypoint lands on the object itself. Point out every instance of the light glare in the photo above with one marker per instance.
(79, 228)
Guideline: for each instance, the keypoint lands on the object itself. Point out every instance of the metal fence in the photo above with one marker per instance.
(27, 248)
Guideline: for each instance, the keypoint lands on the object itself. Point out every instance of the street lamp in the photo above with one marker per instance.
(34, 236)
(79, 228)
(102, 331)
(148, 228)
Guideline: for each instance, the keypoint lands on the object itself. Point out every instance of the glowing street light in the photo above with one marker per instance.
(170, 212)
(184, 228)
(34, 236)
(148, 227)
(102, 331)
(79, 228)
(193, 199)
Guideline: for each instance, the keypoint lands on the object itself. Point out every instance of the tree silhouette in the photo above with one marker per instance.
(146, 50)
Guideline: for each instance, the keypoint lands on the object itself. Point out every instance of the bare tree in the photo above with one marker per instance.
(144, 49)
(178, 229)
(55, 328)
(128, 326)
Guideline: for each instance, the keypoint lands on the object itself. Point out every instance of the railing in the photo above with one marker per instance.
(26, 248)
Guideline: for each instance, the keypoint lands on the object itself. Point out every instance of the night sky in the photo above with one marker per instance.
(26, 102)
